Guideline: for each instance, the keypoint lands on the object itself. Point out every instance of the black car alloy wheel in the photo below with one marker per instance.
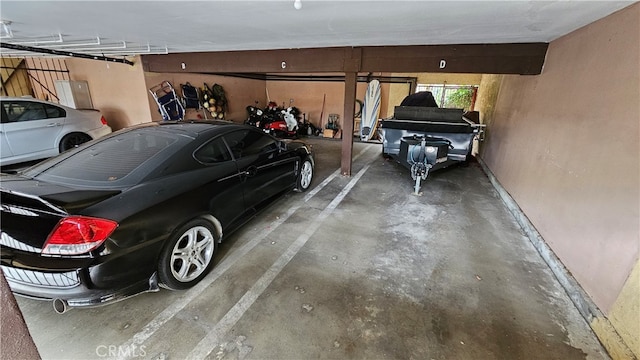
(305, 176)
(188, 255)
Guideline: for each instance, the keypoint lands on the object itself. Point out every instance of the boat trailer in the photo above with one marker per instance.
(425, 139)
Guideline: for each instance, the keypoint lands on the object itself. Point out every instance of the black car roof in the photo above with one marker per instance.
(156, 138)
(192, 128)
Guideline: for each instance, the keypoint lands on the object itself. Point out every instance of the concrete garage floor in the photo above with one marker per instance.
(357, 268)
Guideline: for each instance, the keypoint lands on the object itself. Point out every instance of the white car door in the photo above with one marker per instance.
(31, 129)
(5, 150)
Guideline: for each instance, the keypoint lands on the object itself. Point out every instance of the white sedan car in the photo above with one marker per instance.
(33, 129)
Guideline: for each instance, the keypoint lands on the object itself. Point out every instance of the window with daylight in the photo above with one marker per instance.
(452, 96)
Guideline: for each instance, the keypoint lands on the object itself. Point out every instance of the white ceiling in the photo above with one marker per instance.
(186, 26)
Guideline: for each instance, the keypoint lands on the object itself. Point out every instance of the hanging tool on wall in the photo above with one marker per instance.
(324, 99)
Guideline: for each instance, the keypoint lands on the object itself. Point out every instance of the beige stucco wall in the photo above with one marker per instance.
(565, 145)
(240, 92)
(309, 97)
(487, 96)
(116, 89)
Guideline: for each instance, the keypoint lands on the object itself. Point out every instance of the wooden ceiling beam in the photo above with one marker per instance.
(517, 58)
(258, 61)
(523, 59)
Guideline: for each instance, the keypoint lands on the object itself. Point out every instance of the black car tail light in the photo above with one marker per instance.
(76, 235)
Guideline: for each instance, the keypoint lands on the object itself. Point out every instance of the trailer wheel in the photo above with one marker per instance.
(468, 159)
(384, 154)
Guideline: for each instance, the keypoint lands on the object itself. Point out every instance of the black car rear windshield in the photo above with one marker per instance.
(120, 160)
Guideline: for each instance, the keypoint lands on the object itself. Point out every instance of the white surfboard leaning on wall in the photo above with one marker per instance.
(370, 111)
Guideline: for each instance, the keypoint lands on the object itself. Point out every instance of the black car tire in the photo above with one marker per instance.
(72, 140)
(184, 263)
(305, 176)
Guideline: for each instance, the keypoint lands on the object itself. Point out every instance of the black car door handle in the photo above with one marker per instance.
(251, 171)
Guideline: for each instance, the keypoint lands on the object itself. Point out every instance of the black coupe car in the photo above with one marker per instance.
(143, 207)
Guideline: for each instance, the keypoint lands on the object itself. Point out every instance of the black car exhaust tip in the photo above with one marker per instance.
(60, 306)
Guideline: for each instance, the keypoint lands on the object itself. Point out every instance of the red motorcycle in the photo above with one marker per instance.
(274, 120)
(285, 123)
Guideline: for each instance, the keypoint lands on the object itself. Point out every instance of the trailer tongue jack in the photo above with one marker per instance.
(419, 166)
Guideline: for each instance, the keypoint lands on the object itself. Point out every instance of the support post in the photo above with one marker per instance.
(17, 342)
(350, 83)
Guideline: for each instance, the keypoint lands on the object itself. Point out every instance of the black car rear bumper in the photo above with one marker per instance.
(70, 288)
(83, 281)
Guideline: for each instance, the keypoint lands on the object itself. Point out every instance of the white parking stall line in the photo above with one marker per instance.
(168, 313)
(326, 181)
(213, 338)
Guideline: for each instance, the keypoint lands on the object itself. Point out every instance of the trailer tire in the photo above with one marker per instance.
(468, 159)
(384, 154)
